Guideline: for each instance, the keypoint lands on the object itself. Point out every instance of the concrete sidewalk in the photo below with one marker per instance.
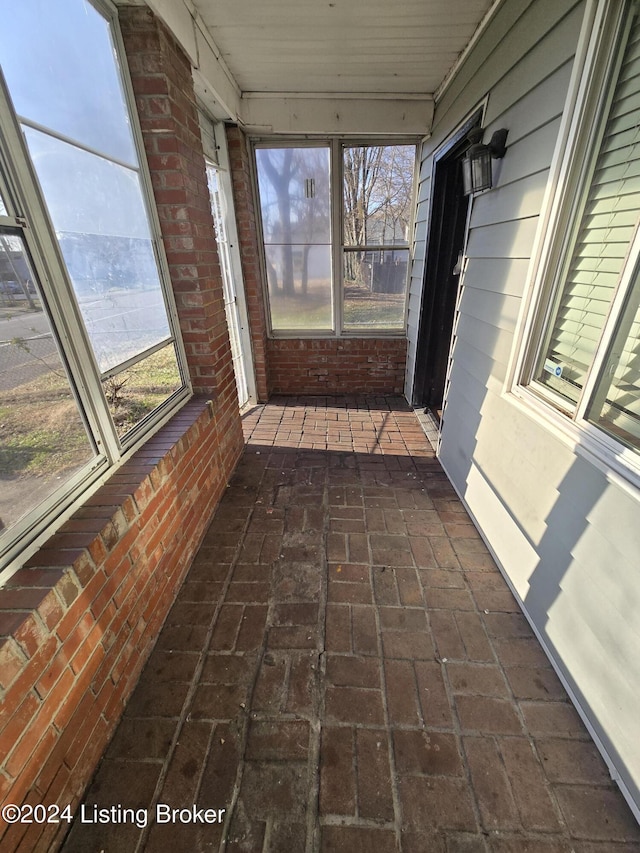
(346, 670)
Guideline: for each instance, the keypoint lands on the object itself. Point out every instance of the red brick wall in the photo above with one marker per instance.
(165, 99)
(337, 365)
(243, 198)
(78, 622)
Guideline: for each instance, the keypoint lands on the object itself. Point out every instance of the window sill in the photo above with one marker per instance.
(332, 336)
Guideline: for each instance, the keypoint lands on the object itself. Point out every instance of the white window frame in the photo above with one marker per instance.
(593, 79)
(223, 167)
(336, 145)
(233, 296)
(29, 215)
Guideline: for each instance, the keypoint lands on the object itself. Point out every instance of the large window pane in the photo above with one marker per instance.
(305, 301)
(97, 211)
(375, 286)
(136, 392)
(59, 63)
(294, 195)
(43, 441)
(296, 220)
(377, 194)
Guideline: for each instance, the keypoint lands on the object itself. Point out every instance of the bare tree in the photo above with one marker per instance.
(295, 200)
(280, 179)
(377, 183)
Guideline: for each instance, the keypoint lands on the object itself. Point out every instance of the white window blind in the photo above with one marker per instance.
(616, 403)
(208, 136)
(607, 225)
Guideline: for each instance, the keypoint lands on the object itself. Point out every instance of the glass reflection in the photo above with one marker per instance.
(296, 221)
(58, 60)
(102, 227)
(43, 441)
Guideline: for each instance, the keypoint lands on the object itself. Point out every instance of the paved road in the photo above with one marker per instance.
(119, 325)
(20, 364)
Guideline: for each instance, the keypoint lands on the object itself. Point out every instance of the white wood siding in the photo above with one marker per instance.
(565, 532)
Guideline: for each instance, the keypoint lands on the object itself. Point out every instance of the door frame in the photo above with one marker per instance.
(441, 246)
(229, 215)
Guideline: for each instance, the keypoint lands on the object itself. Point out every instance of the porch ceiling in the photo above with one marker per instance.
(281, 65)
(341, 46)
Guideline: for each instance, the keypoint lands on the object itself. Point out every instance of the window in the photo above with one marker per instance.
(377, 193)
(615, 406)
(355, 282)
(89, 356)
(43, 439)
(296, 229)
(586, 359)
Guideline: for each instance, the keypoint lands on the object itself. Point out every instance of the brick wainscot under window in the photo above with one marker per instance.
(78, 622)
(337, 365)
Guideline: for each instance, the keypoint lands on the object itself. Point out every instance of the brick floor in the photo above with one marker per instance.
(345, 670)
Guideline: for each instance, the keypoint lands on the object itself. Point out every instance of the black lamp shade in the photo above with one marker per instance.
(476, 165)
(476, 169)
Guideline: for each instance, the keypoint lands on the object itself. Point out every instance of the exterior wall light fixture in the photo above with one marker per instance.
(476, 165)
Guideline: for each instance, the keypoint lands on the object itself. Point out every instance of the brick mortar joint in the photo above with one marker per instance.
(204, 413)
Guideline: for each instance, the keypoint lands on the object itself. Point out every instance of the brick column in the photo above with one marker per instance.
(243, 198)
(165, 100)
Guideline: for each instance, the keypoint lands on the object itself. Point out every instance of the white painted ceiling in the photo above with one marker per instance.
(344, 67)
(389, 47)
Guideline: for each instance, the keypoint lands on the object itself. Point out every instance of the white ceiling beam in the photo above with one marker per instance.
(318, 113)
(215, 84)
(353, 114)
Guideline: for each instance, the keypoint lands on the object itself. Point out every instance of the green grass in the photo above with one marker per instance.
(134, 393)
(310, 310)
(362, 309)
(374, 314)
(42, 452)
(41, 433)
